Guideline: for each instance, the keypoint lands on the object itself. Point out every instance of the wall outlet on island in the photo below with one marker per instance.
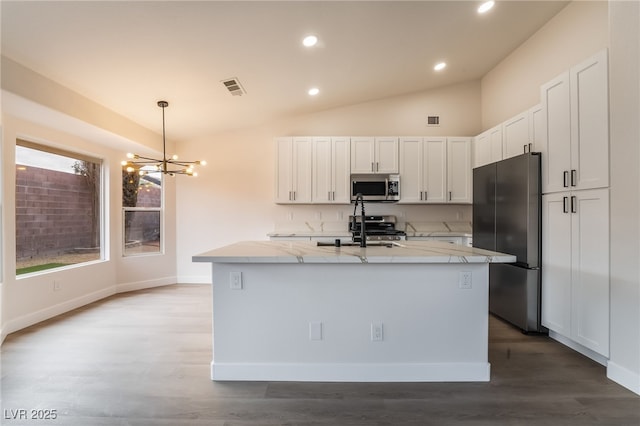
(376, 332)
(465, 280)
(235, 280)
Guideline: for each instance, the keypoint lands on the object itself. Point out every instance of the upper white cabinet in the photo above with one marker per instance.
(331, 166)
(423, 170)
(575, 266)
(459, 188)
(293, 170)
(374, 155)
(575, 143)
(488, 146)
(515, 135)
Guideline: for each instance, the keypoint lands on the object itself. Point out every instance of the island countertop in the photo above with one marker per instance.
(310, 252)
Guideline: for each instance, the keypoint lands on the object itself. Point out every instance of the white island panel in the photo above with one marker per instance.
(433, 329)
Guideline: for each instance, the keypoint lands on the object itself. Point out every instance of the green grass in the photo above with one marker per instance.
(38, 268)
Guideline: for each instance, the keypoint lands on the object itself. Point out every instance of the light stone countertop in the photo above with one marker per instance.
(309, 252)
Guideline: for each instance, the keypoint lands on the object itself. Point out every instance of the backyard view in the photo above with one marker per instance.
(58, 208)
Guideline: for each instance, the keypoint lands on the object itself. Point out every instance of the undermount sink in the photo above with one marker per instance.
(388, 244)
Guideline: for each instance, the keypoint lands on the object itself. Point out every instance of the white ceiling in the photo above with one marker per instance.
(127, 55)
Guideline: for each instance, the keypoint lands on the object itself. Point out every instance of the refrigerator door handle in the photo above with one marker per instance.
(565, 209)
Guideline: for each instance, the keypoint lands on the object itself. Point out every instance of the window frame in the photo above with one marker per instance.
(102, 200)
(160, 210)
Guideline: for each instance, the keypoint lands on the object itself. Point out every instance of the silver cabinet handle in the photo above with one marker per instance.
(574, 177)
(524, 149)
(426, 195)
(377, 166)
(565, 179)
(449, 195)
(373, 169)
(421, 195)
(565, 208)
(574, 205)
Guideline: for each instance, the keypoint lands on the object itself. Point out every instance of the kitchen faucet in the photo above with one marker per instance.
(363, 237)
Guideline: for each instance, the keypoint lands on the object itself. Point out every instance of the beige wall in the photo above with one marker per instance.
(577, 32)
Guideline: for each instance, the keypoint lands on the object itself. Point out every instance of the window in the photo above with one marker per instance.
(58, 208)
(142, 211)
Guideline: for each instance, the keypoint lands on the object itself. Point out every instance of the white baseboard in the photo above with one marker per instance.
(627, 378)
(338, 372)
(141, 285)
(52, 311)
(600, 359)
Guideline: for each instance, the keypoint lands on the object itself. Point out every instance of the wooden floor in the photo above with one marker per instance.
(142, 358)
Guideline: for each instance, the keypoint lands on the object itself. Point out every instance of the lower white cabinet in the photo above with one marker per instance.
(575, 267)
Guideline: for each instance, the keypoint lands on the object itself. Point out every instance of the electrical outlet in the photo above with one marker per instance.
(465, 280)
(235, 280)
(315, 331)
(57, 286)
(376, 332)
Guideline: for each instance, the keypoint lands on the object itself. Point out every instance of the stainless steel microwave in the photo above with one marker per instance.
(376, 187)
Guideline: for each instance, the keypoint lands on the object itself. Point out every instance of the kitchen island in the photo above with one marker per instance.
(295, 311)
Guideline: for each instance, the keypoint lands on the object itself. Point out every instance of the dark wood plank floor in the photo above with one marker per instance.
(142, 359)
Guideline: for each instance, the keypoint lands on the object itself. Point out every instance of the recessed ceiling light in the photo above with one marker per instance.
(310, 41)
(313, 91)
(486, 6)
(440, 66)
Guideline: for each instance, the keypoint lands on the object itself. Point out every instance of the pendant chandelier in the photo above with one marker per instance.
(168, 166)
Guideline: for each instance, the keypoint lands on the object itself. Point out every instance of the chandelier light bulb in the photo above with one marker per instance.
(202, 162)
(174, 157)
(130, 155)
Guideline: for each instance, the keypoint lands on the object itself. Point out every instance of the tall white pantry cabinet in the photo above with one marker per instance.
(575, 218)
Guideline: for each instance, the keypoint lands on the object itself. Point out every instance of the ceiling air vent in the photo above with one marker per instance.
(433, 120)
(234, 87)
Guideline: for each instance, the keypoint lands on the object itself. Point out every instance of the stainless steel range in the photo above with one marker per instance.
(377, 228)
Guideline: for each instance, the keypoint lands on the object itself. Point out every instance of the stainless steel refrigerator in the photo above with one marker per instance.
(507, 210)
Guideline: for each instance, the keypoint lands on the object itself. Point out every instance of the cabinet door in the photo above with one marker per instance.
(386, 155)
(459, 170)
(482, 150)
(556, 263)
(284, 170)
(412, 157)
(435, 170)
(590, 266)
(341, 162)
(495, 142)
(302, 169)
(590, 123)
(362, 155)
(536, 127)
(322, 170)
(556, 146)
(515, 135)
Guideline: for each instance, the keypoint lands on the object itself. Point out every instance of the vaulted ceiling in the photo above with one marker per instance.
(127, 55)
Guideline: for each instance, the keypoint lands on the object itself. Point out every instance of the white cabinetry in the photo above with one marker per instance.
(331, 165)
(374, 155)
(293, 170)
(488, 146)
(458, 170)
(576, 119)
(435, 170)
(515, 135)
(423, 165)
(575, 267)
